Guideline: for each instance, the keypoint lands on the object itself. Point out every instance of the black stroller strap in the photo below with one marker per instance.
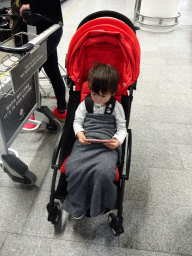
(89, 103)
(110, 106)
(108, 109)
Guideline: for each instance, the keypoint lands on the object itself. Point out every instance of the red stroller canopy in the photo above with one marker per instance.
(108, 41)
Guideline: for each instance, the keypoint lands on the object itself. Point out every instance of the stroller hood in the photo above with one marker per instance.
(108, 41)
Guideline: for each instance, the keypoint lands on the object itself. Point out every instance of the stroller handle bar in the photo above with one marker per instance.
(107, 13)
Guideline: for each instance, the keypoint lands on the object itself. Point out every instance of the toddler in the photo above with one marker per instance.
(91, 167)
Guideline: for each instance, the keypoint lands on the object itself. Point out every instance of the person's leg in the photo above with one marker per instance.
(52, 70)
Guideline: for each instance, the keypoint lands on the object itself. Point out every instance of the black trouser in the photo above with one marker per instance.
(52, 69)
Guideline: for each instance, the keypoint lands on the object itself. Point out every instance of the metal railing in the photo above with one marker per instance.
(158, 21)
(136, 10)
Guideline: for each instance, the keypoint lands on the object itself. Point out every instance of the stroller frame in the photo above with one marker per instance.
(65, 142)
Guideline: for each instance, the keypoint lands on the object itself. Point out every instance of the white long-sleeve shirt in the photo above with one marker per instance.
(118, 113)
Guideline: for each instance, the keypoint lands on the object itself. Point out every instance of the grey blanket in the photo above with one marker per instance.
(91, 169)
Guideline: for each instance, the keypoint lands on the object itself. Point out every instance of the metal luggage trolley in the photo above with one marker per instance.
(21, 55)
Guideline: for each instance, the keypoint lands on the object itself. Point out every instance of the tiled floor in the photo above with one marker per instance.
(158, 196)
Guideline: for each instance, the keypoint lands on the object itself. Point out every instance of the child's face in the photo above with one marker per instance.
(101, 98)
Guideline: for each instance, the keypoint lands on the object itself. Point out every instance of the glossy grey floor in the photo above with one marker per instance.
(158, 196)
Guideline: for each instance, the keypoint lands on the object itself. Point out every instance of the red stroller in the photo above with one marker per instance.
(109, 38)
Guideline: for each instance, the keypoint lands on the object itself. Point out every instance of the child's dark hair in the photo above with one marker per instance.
(104, 78)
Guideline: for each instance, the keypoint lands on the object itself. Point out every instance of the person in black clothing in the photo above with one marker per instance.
(47, 8)
(18, 24)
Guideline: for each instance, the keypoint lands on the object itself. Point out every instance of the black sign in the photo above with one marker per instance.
(15, 108)
(28, 66)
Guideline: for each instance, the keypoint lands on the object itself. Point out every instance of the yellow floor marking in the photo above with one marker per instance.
(73, 9)
(2, 74)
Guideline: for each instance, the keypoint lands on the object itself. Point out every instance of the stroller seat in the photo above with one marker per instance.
(107, 40)
(84, 92)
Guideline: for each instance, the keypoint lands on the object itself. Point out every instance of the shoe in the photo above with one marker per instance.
(29, 125)
(60, 117)
(77, 217)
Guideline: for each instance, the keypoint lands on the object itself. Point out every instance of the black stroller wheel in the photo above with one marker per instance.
(56, 220)
(55, 212)
(116, 229)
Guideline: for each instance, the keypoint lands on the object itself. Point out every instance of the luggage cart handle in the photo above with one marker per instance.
(43, 36)
(35, 41)
(34, 18)
(23, 49)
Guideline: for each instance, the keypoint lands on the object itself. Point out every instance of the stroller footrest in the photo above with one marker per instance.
(17, 170)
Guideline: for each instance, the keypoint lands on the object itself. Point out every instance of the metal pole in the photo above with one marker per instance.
(3, 144)
(137, 8)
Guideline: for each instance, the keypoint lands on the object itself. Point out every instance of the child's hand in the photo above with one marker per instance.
(112, 144)
(82, 138)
